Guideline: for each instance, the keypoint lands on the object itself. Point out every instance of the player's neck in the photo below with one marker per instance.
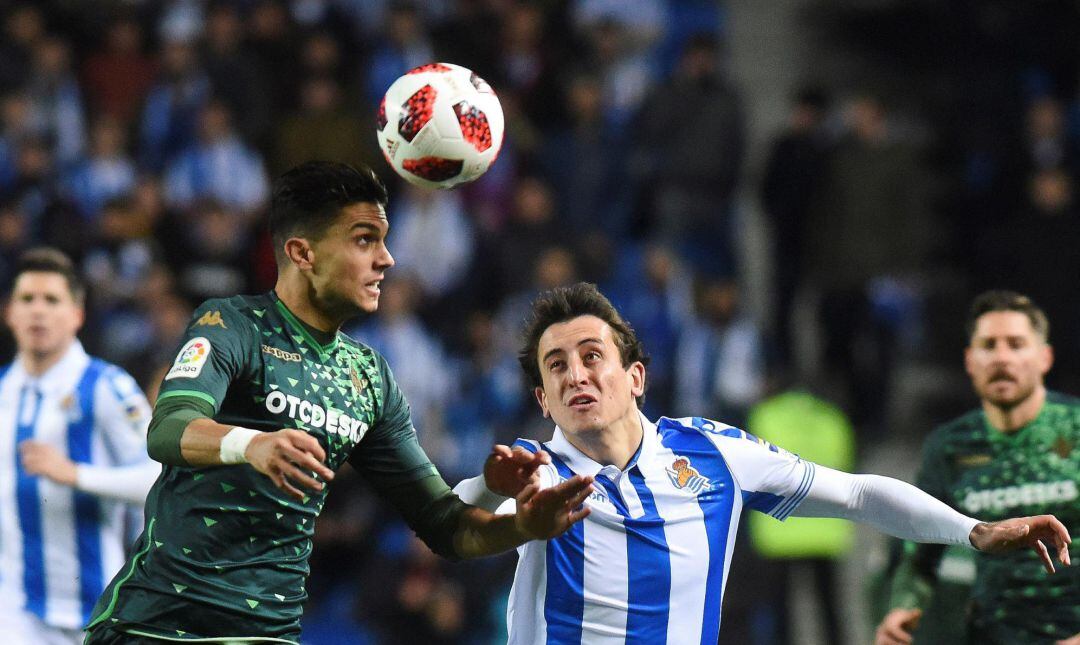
(612, 445)
(36, 363)
(296, 295)
(1016, 417)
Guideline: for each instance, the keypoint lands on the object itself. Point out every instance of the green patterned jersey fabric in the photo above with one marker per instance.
(224, 553)
(993, 475)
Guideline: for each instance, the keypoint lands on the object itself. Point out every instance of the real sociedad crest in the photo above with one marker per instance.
(683, 475)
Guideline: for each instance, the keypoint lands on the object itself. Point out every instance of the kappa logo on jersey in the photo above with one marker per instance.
(683, 475)
(210, 319)
(189, 362)
(282, 354)
(316, 416)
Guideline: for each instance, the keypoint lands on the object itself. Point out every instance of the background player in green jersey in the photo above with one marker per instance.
(263, 402)
(1017, 454)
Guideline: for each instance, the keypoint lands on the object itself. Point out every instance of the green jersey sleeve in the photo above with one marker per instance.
(214, 353)
(391, 460)
(915, 576)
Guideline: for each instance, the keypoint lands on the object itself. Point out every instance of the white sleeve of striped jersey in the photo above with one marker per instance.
(124, 471)
(772, 479)
(475, 491)
(889, 505)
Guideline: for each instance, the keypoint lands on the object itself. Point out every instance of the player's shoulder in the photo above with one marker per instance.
(700, 425)
(1053, 397)
(961, 427)
(249, 306)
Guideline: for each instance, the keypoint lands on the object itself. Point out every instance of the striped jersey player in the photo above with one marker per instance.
(649, 563)
(73, 449)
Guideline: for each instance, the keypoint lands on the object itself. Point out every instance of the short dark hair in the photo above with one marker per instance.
(46, 259)
(308, 198)
(566, 303)
(1001, 300)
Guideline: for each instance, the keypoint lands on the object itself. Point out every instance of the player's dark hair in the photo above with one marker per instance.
(308, 198)
(46, 259)
(1000, 300)
(566, 303)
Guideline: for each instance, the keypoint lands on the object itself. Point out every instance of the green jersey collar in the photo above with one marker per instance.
(304, 330)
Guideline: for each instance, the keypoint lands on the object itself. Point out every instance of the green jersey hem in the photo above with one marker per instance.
(131, 571)
(216, 639)
(195, 393)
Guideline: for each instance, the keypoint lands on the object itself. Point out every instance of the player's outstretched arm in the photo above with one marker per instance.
(541, 515)
(1025, 532)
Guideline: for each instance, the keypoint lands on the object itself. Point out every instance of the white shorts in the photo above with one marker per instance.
(22, 628)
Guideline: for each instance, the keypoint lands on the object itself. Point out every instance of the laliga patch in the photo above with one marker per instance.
(189, 362)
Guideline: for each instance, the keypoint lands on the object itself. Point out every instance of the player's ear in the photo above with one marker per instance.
(300, 253)
(541, 398)
(636, 374)
(1046, 358)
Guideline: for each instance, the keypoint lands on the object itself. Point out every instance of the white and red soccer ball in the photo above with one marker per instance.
(440, 125)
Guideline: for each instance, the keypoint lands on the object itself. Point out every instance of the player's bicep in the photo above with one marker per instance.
(772, 480)
(214, 353)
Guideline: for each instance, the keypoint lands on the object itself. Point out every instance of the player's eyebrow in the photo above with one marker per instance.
(581, 342)
(365, 225)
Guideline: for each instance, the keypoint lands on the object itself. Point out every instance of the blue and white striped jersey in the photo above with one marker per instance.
(60, 545)
(650, 563)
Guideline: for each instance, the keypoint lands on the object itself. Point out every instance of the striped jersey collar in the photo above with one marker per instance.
(583, 464)
(69, 368)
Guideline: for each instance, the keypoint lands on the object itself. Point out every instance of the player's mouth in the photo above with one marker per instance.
(1002, 377)
(582, 401)
(372, 288)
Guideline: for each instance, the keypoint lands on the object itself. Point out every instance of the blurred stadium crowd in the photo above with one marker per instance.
(141, 137)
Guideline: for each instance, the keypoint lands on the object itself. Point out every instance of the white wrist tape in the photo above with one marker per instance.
(234, 443)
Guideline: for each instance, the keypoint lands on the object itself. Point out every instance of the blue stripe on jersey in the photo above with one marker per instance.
(800, 493)
(716, 505)
(564, 603)
(87, 508)
(758, 501)
(29, 503)
(531, 446)
(613, 494)
(649, 561)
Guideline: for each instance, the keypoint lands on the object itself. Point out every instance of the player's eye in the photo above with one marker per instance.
(592, 356)
(555, 365)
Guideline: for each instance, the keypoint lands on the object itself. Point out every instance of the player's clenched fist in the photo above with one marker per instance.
(288, 457)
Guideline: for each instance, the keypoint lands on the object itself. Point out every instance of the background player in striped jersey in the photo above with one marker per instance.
(265, 400)
(1017, 453)
(649, 564)
(73, 451)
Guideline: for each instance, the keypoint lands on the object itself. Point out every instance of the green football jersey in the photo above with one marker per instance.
(224, 553)
(993, 475)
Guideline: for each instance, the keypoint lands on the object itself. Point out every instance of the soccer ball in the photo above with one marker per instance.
(440, 125)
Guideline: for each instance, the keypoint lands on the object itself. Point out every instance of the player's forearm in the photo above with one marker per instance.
(200, 445)
(124, 483)
(889, 505)
(481, 533)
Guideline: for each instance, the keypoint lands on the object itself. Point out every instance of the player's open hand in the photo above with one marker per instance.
(507, 471)
(896, 627)
(548, 513)
(289, 457)
(42, 459)
(1035, 532)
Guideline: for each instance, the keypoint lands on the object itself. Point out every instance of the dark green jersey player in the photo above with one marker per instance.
(264, 401)
(1018, 454)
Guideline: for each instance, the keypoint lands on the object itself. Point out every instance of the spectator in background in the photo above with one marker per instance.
(272, 40)
(325, 127)
(15, 126)
(625, 73)
(589, 180)
(106, 173)
(118, 76)
(790, 188)
(870, 236)
(721, 362)
(24, 26)
(433, 239)
(37, 194)
(691, 170)
(235, 75)
(404, 45)
(169, 316)
(170, 115)
(212, 255)
(56, 100)
(218, 166)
